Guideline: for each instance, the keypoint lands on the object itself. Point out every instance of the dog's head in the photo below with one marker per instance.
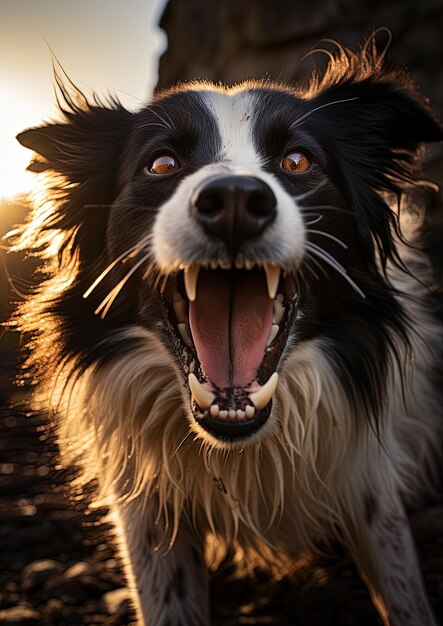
(237, 223)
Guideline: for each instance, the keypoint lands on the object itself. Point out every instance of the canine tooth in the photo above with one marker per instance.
(180, 309)
(223, 414)
(214, 410)
(278, 311)
(263, 396)
(240, 414)
(202, 396)
(191, 277)
(272, 279)
(249, 411)
(232, 414)
(272, 335)
(279, 298)
(225, 265)
(185, 335)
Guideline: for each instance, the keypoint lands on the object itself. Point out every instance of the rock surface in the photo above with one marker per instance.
(231, 41)
(19, 616)
(117, 602)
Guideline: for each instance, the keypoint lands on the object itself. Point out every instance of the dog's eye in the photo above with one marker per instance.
(296, 162)
(164, 164)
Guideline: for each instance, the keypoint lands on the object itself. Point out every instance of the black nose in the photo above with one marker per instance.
(235, 208)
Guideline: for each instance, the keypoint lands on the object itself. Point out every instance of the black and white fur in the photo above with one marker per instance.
(355, 427)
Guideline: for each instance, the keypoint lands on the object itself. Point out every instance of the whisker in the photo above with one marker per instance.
(309, 268)
(300, 277)
(151, 124)
(317, 264)
(319, 218)
(328, 235)
(126, 93)
(166, 123)
(188, 434)
(334, 264)
(126, 255)
(321, 106)
(163, 285)
(106, 304)
(158, 277)
(302, 196)
(324, 207)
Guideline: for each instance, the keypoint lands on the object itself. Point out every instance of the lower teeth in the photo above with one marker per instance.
(232, 414)
(272, 335)
(184, 333)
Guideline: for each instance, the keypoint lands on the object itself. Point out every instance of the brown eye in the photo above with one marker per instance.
(296, 162)
(164, 164)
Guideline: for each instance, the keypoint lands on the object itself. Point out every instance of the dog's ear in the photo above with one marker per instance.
(83, 152)
(372, 127)
(87, 145)
(374, 114)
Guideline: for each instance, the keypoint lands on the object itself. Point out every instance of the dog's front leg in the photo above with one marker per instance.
(169, 584)
(384, 551)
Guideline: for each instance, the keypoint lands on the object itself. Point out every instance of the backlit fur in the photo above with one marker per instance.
(356, 417)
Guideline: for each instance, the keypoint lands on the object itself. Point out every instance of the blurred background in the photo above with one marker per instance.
(57, 561)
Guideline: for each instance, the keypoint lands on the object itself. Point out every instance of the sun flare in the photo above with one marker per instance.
(14, 116)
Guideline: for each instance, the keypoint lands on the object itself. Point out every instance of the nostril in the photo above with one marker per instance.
(210, 202)
(261, 203)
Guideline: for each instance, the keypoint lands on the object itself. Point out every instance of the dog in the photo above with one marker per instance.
(235, 329)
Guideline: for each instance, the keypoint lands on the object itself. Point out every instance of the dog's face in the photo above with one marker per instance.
(240, 223)
(224, 188)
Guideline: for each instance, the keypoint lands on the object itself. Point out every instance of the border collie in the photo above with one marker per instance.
(234, 328)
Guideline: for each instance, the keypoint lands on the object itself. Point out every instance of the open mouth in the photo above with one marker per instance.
(229, 326)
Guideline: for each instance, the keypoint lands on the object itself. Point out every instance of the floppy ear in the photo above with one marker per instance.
(87, 145)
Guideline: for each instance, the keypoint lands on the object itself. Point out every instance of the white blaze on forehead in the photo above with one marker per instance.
(178, 239)
(234, 114)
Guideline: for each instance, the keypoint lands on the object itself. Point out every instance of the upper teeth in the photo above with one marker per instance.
(202, 396)
(191, 277)
(263, 396)
(272, 273)
(272, 278)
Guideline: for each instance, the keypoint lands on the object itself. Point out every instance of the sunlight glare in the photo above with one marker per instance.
(14, 117)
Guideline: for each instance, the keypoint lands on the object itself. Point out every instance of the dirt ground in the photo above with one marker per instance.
(58, 564)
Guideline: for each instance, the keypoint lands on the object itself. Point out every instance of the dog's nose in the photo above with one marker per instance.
(235, 208)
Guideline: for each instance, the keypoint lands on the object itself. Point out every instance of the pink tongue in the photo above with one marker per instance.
(230, 322)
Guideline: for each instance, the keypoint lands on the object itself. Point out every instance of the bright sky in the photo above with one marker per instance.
(102, 44)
